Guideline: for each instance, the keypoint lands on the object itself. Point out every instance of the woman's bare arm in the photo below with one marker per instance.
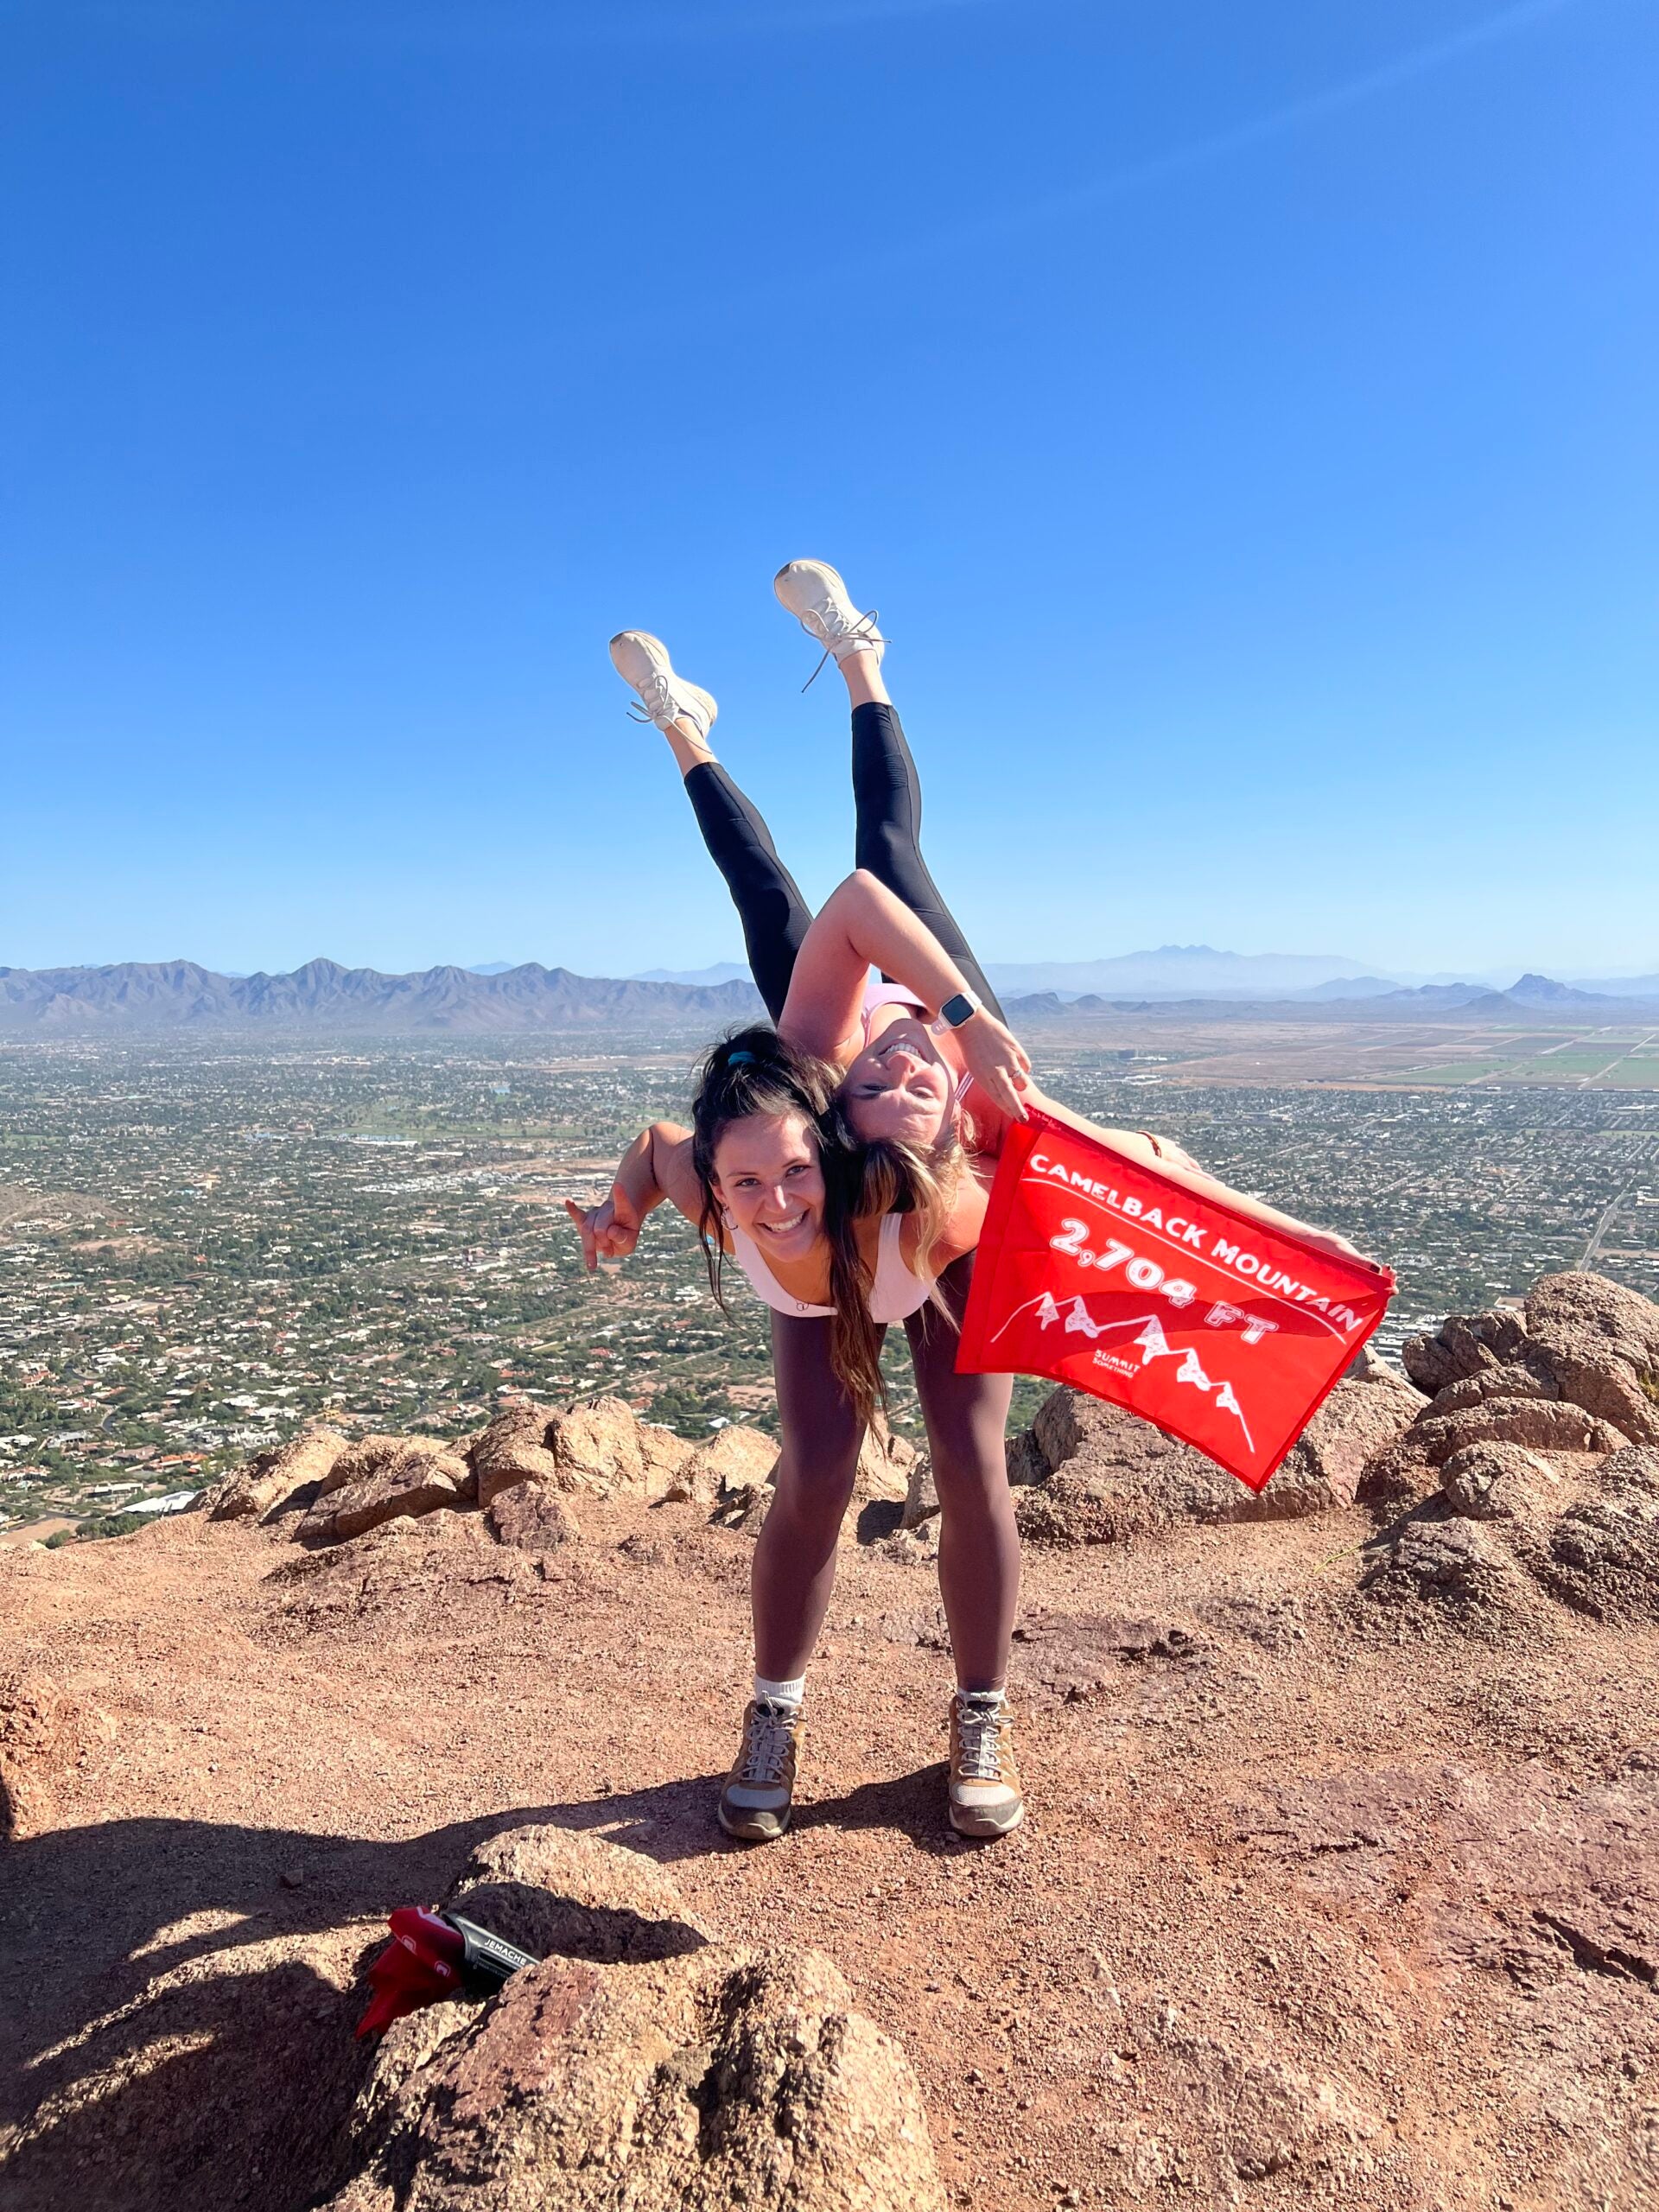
(862, 925)
(657, 1167)
(1170, 1160)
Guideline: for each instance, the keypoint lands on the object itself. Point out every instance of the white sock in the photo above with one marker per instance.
(983, 1697)
(790, 1693)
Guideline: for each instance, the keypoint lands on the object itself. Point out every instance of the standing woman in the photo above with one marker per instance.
(754, 1166)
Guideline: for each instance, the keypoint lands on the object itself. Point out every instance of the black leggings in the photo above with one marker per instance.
(887, 799)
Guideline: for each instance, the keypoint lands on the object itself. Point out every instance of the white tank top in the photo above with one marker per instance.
(895, 1294)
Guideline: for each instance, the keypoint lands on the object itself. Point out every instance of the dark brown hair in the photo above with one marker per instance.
(754, 1072)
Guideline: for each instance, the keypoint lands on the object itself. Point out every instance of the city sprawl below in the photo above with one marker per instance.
(203, 1245)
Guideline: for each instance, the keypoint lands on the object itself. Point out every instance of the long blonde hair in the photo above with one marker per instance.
(865, 1181)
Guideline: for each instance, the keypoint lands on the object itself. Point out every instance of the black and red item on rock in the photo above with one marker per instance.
(431, 1957)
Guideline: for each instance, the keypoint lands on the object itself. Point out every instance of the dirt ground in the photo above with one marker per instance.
(1314, 1902)
(32, 1532)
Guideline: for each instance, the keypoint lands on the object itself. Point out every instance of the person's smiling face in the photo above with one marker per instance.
(769, 1178)
(898, 1090)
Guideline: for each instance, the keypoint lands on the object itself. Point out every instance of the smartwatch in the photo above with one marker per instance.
(960, 1006)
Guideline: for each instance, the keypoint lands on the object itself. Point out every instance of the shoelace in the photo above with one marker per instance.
(978, 1729)
(765, 1749)
(863, 627)
(656, 701)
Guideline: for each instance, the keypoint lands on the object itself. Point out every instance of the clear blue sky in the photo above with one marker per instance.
(1243, 416)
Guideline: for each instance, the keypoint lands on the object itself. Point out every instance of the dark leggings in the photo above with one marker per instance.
(966, 1414)
(979, 1545)
(887, 799)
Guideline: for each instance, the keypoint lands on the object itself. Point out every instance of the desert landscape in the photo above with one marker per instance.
(1340, 1880)
(1119, 539)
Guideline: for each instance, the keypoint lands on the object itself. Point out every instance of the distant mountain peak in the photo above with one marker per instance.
(1178, 971)
(1544, 990)
(722, 971)
(177, 995)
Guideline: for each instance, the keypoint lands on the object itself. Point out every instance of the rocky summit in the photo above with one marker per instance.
(1340, 1881)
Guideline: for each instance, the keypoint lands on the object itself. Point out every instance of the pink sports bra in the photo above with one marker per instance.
(894, 1295)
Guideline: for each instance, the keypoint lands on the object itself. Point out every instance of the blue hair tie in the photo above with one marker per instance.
(737, 1060)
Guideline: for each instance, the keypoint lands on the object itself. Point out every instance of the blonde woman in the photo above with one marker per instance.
(842, 1162)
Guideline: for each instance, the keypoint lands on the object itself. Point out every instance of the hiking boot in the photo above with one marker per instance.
(757, 1800)
(642, 661)
(816, 595)
(985, 1796)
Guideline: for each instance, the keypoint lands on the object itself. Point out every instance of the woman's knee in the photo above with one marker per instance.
(813, 1500)
(973, 1486)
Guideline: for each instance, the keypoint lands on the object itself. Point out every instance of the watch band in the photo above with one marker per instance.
(960, 1006)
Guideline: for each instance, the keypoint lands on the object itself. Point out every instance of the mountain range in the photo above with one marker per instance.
(1200, 971)
(177, 995)
(1172, 971)
(1534, 998)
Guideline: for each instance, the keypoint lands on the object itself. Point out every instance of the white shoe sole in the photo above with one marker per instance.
(751, 1835)
(982, 1827)
(823, 568)
(704, 699)
(846, 612)
(831, 605)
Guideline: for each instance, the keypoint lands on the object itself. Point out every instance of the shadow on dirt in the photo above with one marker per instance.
(178, 1997)
(230, 2084)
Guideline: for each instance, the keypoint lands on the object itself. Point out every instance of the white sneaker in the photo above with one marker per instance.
(642, 661)
(814, 592)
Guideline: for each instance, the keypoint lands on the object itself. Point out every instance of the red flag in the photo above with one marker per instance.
(1212, 1324)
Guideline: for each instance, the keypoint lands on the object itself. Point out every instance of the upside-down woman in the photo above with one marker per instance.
(843, 1163)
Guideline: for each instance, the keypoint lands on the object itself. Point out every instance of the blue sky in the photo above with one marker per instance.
(1243, 417)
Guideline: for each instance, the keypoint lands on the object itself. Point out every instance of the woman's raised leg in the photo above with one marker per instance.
(887, 797)
(887, 790)
(774, 916)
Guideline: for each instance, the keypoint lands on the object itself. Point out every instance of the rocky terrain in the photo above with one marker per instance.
(1340, 1880)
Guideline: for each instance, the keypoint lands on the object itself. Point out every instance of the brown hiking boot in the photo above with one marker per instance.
(985, 1794)
(758, 1799)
